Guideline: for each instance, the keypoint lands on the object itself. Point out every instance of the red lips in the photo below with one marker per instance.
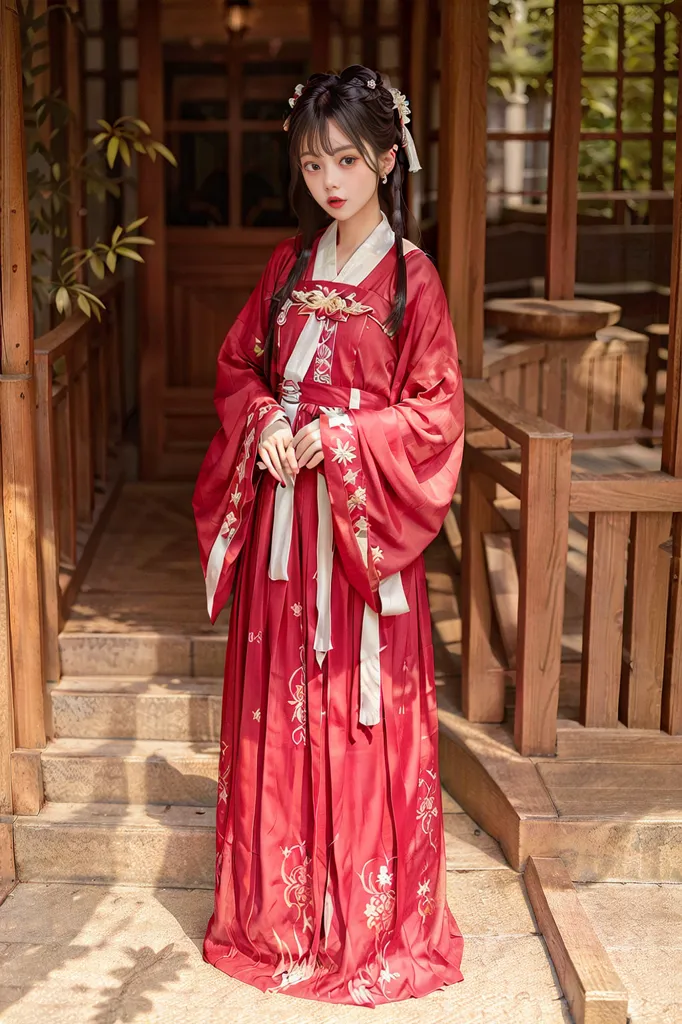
(336, 202)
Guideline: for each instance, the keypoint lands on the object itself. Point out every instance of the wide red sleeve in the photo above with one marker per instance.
(391, 474)
(228, 479)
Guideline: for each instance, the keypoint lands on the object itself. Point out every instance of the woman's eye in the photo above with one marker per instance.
(351, 158)
(311, 167)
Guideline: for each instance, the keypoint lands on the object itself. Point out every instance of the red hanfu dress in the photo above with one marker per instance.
(330, 857)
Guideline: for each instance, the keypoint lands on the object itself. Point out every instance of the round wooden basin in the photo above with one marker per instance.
(556, 318)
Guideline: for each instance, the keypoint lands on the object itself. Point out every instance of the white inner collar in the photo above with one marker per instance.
(361, 263)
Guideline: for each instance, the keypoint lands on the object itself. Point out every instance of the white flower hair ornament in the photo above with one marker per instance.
(292, 103)
(403, 107)
(399, 102)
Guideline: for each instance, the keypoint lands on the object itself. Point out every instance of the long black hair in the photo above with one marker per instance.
(367, 116)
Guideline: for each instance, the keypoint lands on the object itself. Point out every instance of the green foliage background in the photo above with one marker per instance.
(521, 37)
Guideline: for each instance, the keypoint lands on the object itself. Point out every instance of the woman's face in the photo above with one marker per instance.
(343, 183)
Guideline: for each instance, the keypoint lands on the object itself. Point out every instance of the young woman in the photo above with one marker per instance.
(340, 399)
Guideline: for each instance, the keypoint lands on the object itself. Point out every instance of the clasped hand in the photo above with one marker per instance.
(284, 454)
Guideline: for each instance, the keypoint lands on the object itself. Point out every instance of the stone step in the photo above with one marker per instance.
(130, 707)
(130, 771)
(142, 654)
(172, 845)
(99, 843)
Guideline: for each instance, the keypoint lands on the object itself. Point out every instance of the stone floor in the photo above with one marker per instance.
(74, 954)
(100, 955)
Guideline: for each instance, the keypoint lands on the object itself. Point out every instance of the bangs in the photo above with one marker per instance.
(309, 133)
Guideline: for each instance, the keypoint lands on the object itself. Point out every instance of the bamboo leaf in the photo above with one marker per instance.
(84, 306)
(138, 240)
(125, 152)
(165, 152)
(110, 261)
(99, 139)
(97, 266)
(107, 127)
(112, 150)
(56, 172)
(62, 301)
(118, 231)
(130, 253)
(136, 224)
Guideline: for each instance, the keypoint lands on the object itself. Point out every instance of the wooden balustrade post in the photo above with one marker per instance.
(17, 401)
(49, 517)
(482, 673)
(671, 462)
(546, 474)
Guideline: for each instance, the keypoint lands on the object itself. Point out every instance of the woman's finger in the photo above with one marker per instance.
(304, 431)
(290, 456)
(265, 455)
(285, 464)
(310, 453)
(305, 443)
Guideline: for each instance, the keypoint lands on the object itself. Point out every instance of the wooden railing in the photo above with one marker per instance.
(79, 397)
(623, 676)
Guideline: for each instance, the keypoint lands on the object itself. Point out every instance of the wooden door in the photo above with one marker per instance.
(226, 206)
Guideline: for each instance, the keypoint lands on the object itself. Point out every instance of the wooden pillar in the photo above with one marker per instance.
(151, 200)
(320, 31)
(73, 88)
(564, 149)
(369, 31)
(462, 172)
(671, 460)
(17, 399)
(418, 95)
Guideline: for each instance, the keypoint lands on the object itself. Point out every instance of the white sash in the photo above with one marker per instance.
(392, 595)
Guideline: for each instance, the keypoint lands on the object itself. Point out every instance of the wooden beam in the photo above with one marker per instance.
(17, 399)
(151, 201)
(626, 492)
(587, 977)
(497, 464)
(462, 185)
(564, 147)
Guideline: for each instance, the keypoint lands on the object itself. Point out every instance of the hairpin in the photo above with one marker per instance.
(401, 104)
(292, 103)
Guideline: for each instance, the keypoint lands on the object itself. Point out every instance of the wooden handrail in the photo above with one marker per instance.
(507, 416)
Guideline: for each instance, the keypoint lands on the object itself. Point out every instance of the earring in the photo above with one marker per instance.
(384, 179)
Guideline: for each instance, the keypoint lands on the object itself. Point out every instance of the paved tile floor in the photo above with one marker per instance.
(100, 955)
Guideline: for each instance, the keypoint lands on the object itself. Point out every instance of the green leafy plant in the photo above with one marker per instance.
(51, 179)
